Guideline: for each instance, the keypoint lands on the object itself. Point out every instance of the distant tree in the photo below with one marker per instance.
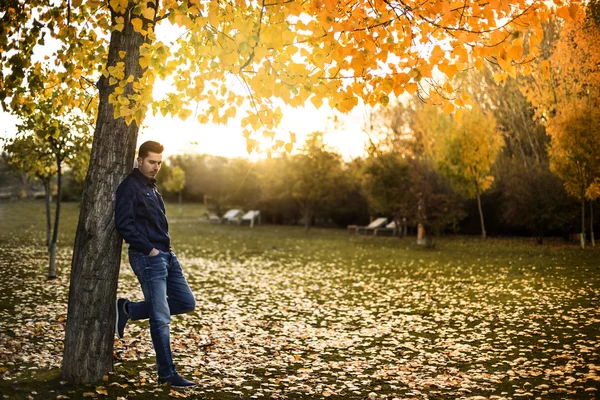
(175, 183)
(565, 88)
(195, 169)
(575, 156)
(243, 189)
(43, 149)
(349, 206)
(524, 135)
(33, 156)
(438, 206)
(388, 186)
(8, 177)
(315, 175)
(466, 153)
(274, 176)
(534, 198)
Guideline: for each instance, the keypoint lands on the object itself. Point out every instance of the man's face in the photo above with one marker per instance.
(150, 165)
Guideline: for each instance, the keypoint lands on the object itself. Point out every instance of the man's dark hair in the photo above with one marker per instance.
(150, 146)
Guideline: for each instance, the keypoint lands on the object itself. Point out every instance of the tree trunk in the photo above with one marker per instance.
(307, 215)
(48, 213)
(180, 202)
(89, 335)
(582, 236)
(592, 224)
(52, 261)
(421, 235)
(52, 252)
(483, 234)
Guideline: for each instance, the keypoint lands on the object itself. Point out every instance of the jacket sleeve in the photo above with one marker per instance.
(125, 220)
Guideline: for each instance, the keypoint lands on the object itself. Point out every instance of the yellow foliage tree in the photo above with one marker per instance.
(566, 91)
(175, 183)
(466, 152)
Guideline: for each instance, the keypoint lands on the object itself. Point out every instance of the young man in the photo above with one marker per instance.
(140, 219)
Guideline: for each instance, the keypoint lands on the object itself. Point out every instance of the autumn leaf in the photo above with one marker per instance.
(137, 24)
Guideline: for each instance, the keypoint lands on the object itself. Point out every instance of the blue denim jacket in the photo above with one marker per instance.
(140, 216)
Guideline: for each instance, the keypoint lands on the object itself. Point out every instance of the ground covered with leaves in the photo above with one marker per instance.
(282, 313)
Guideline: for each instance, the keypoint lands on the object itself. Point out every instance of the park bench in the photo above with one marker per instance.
(377, 223)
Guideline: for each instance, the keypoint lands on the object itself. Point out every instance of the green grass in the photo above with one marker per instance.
(287, 313)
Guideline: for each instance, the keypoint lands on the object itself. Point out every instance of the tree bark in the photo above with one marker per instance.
(48, 213)
(89, 335)
(582, 236)
(307, 214)
(52, 252)
(592, 224)
(483, 233)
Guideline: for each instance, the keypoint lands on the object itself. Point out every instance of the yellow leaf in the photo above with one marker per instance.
(291, 50)
(563, 12)
(437, 54)
(231, 111)
(515, 53)
(101, 390)
(347, 104)
(148, 13)
(144, 62)
(137, 24)
(184, 113)
(458, 115)
(411, 88)
(499, 77)
(449, 70)
(289, 147)
(317, 101)
(573, 9)
(122, 54)
(448, 107)
(479, 63)
(75, 3)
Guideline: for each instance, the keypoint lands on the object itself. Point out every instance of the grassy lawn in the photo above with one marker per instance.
(283, 313)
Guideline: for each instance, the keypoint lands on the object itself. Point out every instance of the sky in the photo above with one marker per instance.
(345, 136)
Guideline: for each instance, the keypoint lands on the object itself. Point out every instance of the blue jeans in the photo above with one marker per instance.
(166, 293)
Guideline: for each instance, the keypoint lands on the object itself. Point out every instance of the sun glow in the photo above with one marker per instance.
(344, 136)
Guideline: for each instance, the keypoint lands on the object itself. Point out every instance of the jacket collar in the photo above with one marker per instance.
(146, 181)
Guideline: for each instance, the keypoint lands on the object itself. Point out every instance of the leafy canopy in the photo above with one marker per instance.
(566, 93)
(286, 52)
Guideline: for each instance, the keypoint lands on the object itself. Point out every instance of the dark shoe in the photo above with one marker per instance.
(122, 317)
(175, 380)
